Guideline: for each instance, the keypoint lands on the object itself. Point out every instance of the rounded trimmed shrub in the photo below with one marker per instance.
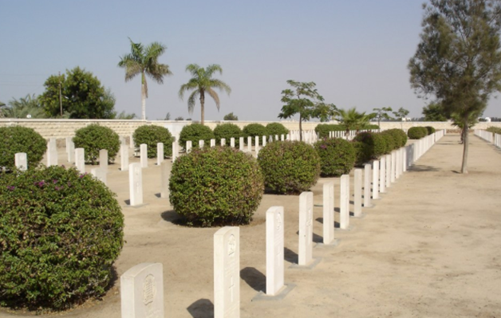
(252, 130)
(392, 142)
(151, 135)
(430, 130)
(21, 139)
(399, 135)
(417, 132)
(195, 133)
(216, 186)
(324, 129)
(227, 131)
(276, 129)
(372, 146)
(289, 167)
(60, 232)
(94, 138)
(337, 156)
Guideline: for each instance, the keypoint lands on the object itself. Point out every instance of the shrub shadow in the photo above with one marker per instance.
(254, 278)
(202, 308)
(172, 217)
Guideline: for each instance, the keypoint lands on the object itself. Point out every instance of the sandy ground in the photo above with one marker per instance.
(430, 247)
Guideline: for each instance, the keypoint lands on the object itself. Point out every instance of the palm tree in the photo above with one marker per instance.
(25, 107)
(202, 82)
(144, 61)
(353, 120)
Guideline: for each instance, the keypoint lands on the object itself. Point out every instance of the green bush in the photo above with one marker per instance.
(324, 129)
(227, 131)
(21, 139)
(373, 145)
(289, 167)
(495, 130)
(195, 133)
(399, 135)
(391, 142)
(417, 132)
(94, 138)
(60, 232)
(216, 186)
(276, 129)
(253, 130)
(430, 130)
(337, 156)
(151, 135)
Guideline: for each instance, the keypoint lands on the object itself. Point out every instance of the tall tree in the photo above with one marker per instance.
(144, 60)
(434, 112)
(78, 94)
(302, 99)
(401, 114)
(353, 120)
(458, 59)
(201, 83)
(381, 113)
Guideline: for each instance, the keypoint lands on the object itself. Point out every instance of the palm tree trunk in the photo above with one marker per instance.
(465, 147)
(143, 96)
(202, 101)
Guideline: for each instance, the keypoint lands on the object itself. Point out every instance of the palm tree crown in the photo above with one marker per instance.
(353, 120)
(144, 60)
(201, 83)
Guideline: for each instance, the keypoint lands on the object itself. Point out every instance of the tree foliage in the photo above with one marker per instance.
(458, 59)
(353, 120)
(381, 113)
(434, 112)
(230, 116)
(144, 60)
(24, 107)
(80, 94)
(201, 83)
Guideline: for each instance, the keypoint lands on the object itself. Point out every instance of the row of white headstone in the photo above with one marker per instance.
(342, 134)
(488, 136)
(142, 285)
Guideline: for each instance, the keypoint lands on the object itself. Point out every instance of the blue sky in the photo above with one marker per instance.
(355, 51)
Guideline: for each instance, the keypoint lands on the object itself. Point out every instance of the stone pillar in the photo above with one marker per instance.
(357, 211)
(223, 142)
(52, 153)
(201, 144)
(274, 250)
(382, 175)
(264, 141)
(305, 251)
(232, 142)
(212, 143)
(388, 171)
(328, 213)
(375, 179)
(241, 143)
(144, 155)
(393, 166)
(367, 185)
(227, 272)
(124, 157)
(188, 146)
(103, 160)
(80, 159)
(249, 144)
(21, 161)
(165, 175)
(135, 184)
(160, 153)
(344, 202)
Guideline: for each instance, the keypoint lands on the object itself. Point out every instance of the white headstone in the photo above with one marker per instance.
(232, 142)
(131, 143)
(367, 185)
(80, 159)
(256, 143)
(212, 143)
(135, 184)
(357, 208)
(71, 151)
(375, 179)
(388, 171)
(99, 174)
(249, 143)
(282, 137)
(264, 141)
(21, 161)
(188, 146)
(305, 229)
(276, 138)
(164, 192)
(160, 153)
(201, 143)
(52, 152)
(274, 250)
(241, 143)
(144, 155)
(142, 291)
(344, 200)
(175, 150)
(124, 157)
(328, 212)
(393, 166)
(227, 272)
(123, 140)
(67, 144)
(223, 142)
(103, 160)
(382, 175)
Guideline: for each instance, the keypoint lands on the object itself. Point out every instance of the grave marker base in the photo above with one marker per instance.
(288, 287)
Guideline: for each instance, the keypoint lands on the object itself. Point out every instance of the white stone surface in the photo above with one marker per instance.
(201, 144)
(264, 141)
(103, 160)
(227, 272)
(388, 171)
(357, 199)
(382, 175)
(305, 250)
(241, 143)
(344, 200)
(367, 185)
(282, 137)
(142, 291)
(135, 184)
(165, 175)
(212, 143)
(175, 150)
(143, 152)
(393, 167)
(328, 213)
(249, 143)
(52, 153)
(375, 179)
(21, 161)
(99, 174)
(124, 157)
(232, 142)
(256, 144)
(80, 159)
(189, 145)
(223, 142)
(71, 151)
(160, 153)
(274, 250)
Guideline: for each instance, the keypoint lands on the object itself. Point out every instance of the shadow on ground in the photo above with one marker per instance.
(202, 308)
(422, 168)
(254, 278)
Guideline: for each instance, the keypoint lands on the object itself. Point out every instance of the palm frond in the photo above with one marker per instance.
(220, 85)
(193, 69)
(192, 84)
(191, 101)
(211, 69)
(214, 96)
